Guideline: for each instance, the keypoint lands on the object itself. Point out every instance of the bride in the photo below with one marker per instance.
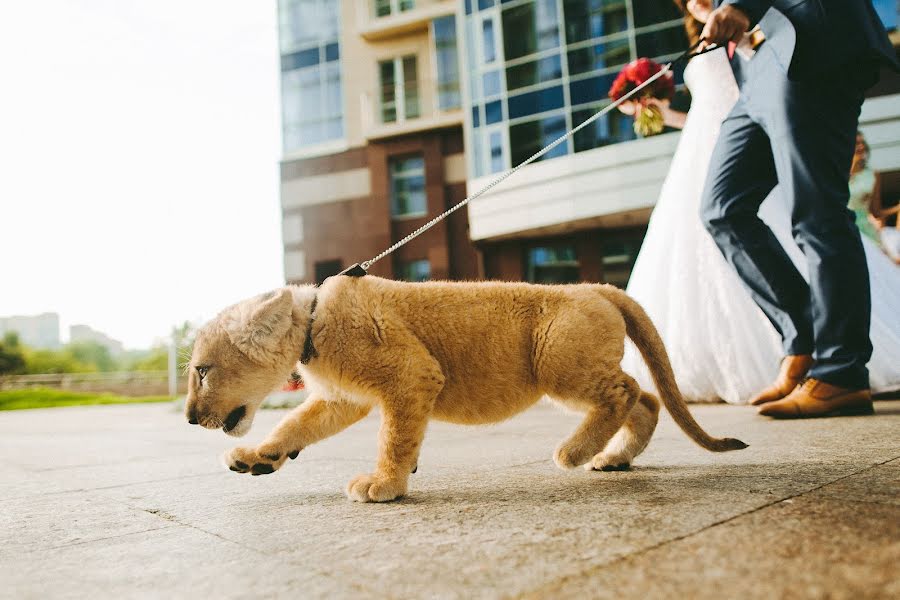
(721, 345)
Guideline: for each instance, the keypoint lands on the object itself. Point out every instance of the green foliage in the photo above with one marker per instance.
(45, 398)
(90, 357)
(54, 361)
(91, 353)
(12, 356)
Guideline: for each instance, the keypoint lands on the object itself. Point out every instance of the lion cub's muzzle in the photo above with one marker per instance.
(228, 425)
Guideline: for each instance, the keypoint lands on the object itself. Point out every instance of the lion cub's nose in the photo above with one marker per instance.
(192, 417)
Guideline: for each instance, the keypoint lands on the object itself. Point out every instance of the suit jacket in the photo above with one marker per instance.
(830, 35)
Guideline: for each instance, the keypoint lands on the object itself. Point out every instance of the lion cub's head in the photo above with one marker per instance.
(239, 357)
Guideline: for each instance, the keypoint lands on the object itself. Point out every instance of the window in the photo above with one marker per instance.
(408, 187)
(618, 260)
(496, 143)
(604, 55)
(534, 72)
(672, 40)
(527, 138)
(488, 41)
(384, 8)
(415, 270)
(587, 19)
(530, 28)
(611, 128)
(312, 102)
(651, 13)
(327, 268)
(552, 264)
(399, 89)
(446, 57)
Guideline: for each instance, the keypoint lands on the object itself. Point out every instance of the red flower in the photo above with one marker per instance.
(636, 73)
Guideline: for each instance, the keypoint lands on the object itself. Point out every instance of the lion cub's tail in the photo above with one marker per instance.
(644, 335)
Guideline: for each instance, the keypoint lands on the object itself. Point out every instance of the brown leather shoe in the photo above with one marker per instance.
(793, 370)
(816, 398)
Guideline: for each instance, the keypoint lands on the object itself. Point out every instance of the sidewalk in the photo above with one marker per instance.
(130, 501)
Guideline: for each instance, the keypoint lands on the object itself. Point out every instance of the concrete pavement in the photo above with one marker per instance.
(130, 501)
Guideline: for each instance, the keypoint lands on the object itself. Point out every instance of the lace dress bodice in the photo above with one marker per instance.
(713, 87)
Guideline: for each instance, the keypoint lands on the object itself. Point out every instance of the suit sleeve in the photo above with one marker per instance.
(755, 9)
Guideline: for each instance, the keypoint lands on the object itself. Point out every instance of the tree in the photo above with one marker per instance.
(91, 353)
(12, 356)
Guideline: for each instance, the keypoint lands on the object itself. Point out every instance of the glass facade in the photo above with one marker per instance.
(311, 95)
(537, 68)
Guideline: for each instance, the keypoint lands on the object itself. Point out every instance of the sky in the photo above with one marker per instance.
(139, 149)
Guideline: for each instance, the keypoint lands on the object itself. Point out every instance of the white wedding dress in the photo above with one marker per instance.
(721, 345)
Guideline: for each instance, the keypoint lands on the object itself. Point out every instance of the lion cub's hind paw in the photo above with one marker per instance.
(372, 488)
(256, 461)
(607, 463)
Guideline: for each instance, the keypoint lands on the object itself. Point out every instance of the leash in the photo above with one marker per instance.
(360, 269)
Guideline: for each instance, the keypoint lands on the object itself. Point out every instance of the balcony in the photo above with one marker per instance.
(613, 186)
(399, 22)
(392, 111)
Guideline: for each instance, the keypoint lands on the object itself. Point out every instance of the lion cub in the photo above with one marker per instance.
(468, 353)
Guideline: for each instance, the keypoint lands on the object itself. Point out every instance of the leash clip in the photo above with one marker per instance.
(356, 270)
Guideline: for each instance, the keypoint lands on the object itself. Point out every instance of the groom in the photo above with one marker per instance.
(795, 125)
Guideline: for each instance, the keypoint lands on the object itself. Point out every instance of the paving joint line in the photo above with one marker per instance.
(101, 539)
(556, 583)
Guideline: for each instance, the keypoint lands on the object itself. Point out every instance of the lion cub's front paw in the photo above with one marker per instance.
(375, 488)
(260, 460)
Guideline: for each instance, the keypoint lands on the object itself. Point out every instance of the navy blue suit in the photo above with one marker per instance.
(795, 125)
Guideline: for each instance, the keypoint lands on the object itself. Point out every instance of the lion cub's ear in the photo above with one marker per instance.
(258, 329)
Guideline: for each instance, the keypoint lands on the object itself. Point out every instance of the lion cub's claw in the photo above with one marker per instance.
(256, 461)
(374, 488)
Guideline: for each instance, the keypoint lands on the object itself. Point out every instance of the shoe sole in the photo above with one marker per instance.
(849, 411)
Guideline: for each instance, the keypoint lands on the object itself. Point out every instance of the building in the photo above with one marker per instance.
(37, 331)
(83, 333)
(538, 68)
(379, 96)
(373, 143)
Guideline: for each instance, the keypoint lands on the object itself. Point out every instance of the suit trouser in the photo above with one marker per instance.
(799, 135)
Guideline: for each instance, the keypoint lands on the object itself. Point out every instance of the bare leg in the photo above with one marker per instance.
(314, 420)
(631, 439)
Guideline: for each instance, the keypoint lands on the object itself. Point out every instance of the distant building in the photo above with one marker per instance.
(37, 331)
(83, 333)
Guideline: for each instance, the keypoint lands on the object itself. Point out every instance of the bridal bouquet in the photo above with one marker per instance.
(648, 119)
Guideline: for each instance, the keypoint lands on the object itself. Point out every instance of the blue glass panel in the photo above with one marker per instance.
(591, 89)
(332, 52)
(488, 48)
(535, 102)
(493, 112)
(476, 121)
(491, 84)
(482, 4)
(468, 7)
(888, 10)
(497, 162)
(528, 138)
(599, 56)
(611, 128)
(531, 73)
(298, 60)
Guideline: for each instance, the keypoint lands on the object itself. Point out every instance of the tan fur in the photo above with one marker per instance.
(469, 353)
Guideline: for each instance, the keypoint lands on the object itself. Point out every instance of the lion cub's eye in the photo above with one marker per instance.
(202, 371)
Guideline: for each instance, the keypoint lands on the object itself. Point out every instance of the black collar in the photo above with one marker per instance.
(309, 350)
